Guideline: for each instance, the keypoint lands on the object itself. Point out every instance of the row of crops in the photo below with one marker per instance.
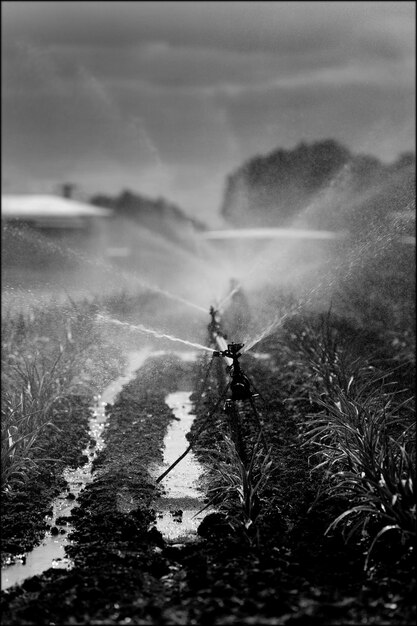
(337, 407)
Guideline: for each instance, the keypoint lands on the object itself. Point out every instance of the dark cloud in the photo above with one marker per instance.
(240, 26)
(170, 96)
(377, 119)
(281, 27)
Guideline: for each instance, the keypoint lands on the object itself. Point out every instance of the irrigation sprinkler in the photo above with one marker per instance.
(214, 326)
(240, 387)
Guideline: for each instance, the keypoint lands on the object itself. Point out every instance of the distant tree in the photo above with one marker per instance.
(156, 214)
(405, 159)
(273, 189)
(348, 191)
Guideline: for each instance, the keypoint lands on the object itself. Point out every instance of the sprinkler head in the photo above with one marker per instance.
(234, 348)
(232, 351)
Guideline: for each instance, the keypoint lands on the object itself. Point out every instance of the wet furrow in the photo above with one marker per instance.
(125, 572)
(51, 552)
(178, 509)
(115, 545)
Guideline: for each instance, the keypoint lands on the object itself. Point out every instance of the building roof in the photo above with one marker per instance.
(35, 206)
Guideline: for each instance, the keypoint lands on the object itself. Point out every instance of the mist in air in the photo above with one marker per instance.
(209, 155)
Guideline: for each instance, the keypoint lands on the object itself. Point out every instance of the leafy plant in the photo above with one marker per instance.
(387, 499)
(47, 355)
(21, 427)
(362, 439)
(237, 487)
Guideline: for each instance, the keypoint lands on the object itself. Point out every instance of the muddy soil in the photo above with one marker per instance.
(288, 573)
(23, 511)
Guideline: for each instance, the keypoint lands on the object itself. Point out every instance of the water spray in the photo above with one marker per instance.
(66, 252)
(236, 286)
(150, 331)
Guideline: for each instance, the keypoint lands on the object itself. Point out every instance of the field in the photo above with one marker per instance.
(312, 480)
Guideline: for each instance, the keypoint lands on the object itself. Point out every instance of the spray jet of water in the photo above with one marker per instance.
(364, 251)
(95, 262)
(229, 295)
(150, 331)
(276, 323)
(190, 258)
(269, 234)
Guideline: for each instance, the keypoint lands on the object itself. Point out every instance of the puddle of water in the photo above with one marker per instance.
(51, 552)
(177, 508)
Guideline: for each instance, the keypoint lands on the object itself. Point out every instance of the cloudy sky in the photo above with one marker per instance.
(168, 98)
